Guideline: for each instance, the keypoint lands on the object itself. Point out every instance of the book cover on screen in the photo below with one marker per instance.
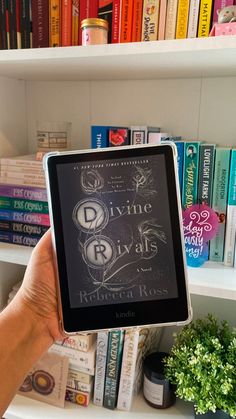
(117, 230)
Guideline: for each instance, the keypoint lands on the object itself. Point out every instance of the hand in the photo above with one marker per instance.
(38, 291)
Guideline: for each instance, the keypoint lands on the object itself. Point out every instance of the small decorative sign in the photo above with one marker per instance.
(200, 225)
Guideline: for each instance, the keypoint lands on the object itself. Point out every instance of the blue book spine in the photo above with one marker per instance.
(99, 136)
(180, 162)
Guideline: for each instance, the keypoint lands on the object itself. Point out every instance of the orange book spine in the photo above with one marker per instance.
(126, 21)
(75, 22)
(66, 23)
(137, 20)
(54, 23)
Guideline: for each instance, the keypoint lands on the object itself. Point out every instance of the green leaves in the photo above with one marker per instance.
(202, 364)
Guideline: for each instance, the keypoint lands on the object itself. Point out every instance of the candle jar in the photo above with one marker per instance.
(94, 31)
(157, 390)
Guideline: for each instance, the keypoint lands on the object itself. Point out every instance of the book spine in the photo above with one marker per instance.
(83, 361)
(79, 342)
(22, 182)
(66, 23)
(23, 205)
(3, 24)
(34, 194)
(23, 228)
(137, 20)
(25, 217)
(54, 23)
(130, 350)
(4, 161)
(78, 397)
(162, 20)
(21, 175)
(20, 239)
(182, 19)
(138, 135)
(219, 201)
(75, 22)
(80, 376)
(25, 23)
(74, 384)
(171, 16)
(12, 24)
(190, 178)
(20, 169)
(99, 136)
(193, 18)
(126, 21)
(105, 11)
(116, 18)
(114, 356)
(204, 18)
(40, 23)
(150, 20)
(118, 136)
(18, 24)
(205, 177)
(101, 357)
(218, 5)
(230, 231)
(180, 162)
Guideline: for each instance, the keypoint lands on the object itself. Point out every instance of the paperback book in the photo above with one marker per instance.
(101, 359)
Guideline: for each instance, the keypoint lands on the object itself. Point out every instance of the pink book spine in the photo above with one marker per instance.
(162, 20)
(115, 28)
(218, 5)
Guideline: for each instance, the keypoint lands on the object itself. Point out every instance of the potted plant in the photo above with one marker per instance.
(202, 365)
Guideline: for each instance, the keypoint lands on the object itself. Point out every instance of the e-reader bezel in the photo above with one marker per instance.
(147, 313)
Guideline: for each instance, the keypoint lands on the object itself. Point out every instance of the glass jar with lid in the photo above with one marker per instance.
(94, 31)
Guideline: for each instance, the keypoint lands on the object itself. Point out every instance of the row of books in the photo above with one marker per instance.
(207, 175)
(53, 23)
(24, 216)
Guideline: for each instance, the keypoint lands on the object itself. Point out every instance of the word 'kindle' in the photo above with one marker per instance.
(116, 225)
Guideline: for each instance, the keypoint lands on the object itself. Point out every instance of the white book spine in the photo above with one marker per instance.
(81, 342)
(171, 17)
(193, 18)
(100, 371)
(37, 183)
(230, 233)
(128, 370)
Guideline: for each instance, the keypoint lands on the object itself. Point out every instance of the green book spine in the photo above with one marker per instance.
(219, 201)
(24, 205)
(230, 231)
(114, 358)
(190, 181)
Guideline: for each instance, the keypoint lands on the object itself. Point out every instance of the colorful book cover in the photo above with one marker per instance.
(182, 19)
(180, 162)
(80, 342)
(116, 18)
(13, 191)
(66, 23)
(25, 23)
(40, 23)
(205, 176)
(219, 201)
(25, 217)
(20, 239)
(190, 177)
(230, 232)
(83, 361)
(137, 20)
(204, 18)
(24, 228)
(78, 397)
(114, 357)
(126, 21)
(171, 17)
(75, 22)
(7, 203)
(47, 380)
(162, 20)
(3, 24)
(105, 10)
(99, 136)
(100, 371)
(150, 20)
(193, 18)
(138, 134)
(54, 23)
(218, 5)
(118, 136)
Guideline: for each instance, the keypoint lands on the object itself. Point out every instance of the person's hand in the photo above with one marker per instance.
(38, 291)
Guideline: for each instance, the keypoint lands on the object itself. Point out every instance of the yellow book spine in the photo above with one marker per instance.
(182, 19)
(204, 18)
(54, 23)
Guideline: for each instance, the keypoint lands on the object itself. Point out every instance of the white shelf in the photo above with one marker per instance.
(200, 57)
(12, 253)
(24, 408)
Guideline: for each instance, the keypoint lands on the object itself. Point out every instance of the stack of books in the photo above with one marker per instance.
(24, 216)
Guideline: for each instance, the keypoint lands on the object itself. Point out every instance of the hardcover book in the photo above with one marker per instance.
(138, 134)
(105, 11)
(182, 19)
(54, 23)
(190, 178)
(171, 17)
(150, 20)
(40, 23)
(193, 18)
(66, 23)
(137, 20)
(114, 357)
(100, 371)
(25, 217)
(126, 21)
(75, 22)
(230, 232)
(204, 18)
(25, 28)
(219, 201)
(116, 18)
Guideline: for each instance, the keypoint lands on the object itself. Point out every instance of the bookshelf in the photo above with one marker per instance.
(185, 86)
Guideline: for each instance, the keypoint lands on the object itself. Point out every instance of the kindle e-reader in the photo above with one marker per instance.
(116, 225)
